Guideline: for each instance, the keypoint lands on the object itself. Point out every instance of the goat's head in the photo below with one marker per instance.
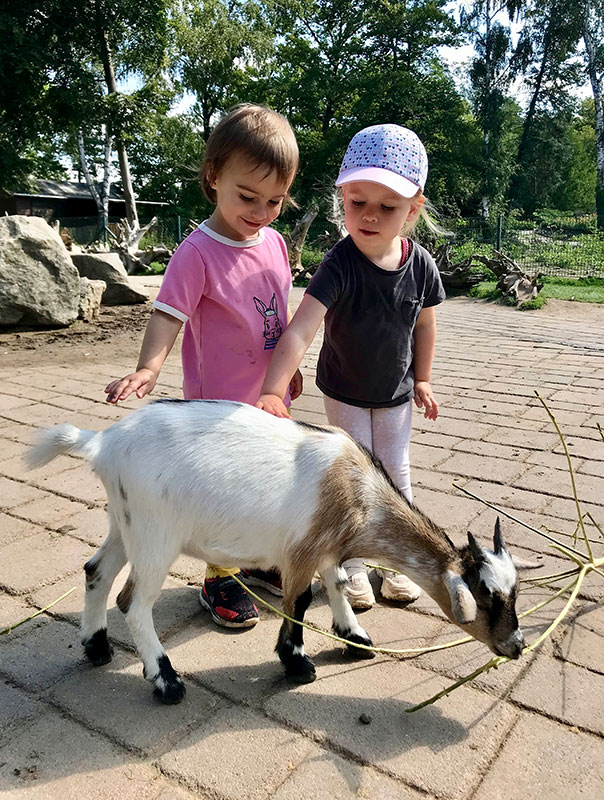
(483, 596)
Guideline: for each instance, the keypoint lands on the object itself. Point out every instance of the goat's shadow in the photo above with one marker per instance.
(235, 682)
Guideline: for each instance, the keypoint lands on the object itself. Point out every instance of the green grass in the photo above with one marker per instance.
(581, 290)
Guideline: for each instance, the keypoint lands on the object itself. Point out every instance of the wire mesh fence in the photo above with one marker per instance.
(564, 246)
(570, 247)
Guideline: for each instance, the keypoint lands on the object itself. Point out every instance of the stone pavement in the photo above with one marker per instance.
(530, 729)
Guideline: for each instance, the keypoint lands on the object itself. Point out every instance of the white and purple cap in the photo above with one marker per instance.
(390, 155)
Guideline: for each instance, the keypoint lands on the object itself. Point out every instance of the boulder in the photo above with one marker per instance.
(39, 285)
(91, 293)
(108, 267)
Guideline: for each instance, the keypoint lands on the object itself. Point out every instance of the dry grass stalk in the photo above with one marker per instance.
(11, 628)
(584, 563)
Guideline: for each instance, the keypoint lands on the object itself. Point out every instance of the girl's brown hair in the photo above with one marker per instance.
(256, 132)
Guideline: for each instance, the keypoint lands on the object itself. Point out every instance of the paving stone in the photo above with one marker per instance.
(510, 497)
(18, 431)
(13, 529)
(543, 759)
(45, 652)
(442, 749)
(517, 437)
(583, 643)
(558, 483)
(255, 755)
(17, 468)
(9, 402)
(173, 608)
(580, 447)
(61, 759)
(452, 512)
(79, 482)
(432, 479)
(15, 493)
(90, 525)
(476, 466)
(564, 691)
(329, 776)
(39, 560)
(119, 702)
(10, 449)
(427, 457)
(49, 510)
(13, 610)
(491, 450)
(16, 707)
(241, 664)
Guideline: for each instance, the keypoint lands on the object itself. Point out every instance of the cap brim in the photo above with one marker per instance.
(384, 177)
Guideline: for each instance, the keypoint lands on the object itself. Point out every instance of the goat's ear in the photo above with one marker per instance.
(476, 549)
(521, 563)
(498, 542)
(463, 605)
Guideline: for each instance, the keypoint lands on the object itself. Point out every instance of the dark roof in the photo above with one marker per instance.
(68, 190)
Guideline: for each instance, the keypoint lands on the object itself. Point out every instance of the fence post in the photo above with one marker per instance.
(178, 230)
(499, 226)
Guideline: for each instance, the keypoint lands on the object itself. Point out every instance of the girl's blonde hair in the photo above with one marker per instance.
(255, 132)
(427, 213)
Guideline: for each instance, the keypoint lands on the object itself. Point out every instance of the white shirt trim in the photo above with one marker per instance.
(231, 242)
(173, 312)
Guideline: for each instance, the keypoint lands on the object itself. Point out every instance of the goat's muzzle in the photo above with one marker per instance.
(513, 647)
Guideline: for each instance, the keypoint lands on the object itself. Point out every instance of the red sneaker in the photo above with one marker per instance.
(228, 603)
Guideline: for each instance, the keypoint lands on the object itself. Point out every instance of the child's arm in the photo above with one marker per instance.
(160, 336)
(288, 354)
(424, 342)
(296, 385)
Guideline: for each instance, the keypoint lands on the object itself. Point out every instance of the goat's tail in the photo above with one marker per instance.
(52, 442)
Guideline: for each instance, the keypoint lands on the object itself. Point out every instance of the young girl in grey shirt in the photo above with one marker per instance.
(376, 290)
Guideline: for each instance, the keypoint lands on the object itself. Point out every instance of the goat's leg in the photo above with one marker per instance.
(290, 645)
(345, 623)
(136, 602)
(101, 571)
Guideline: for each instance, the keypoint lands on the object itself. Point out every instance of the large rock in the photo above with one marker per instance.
(39, 285)
(91, 293)
(108, 267)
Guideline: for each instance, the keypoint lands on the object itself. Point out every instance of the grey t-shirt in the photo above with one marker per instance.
(367, 353)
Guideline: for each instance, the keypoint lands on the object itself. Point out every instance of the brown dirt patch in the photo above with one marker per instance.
(119, 329)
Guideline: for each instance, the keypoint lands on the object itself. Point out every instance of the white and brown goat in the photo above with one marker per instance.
(235, 486)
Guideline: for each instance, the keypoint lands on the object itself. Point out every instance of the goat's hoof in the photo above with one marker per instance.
(172, 693)
(169, 688)
(301, 669)
(358, 652)
(97, 649)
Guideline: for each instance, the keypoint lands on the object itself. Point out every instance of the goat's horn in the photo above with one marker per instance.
(498, 542)
(476, 549)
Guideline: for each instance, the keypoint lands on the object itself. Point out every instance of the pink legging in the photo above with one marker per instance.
(386, 432)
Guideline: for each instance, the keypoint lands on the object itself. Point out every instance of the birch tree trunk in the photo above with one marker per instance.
(128, 193)
(593, 35)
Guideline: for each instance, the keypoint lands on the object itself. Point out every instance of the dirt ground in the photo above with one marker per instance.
(120, 329)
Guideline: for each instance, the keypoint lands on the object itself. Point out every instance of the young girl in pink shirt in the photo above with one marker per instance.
(228, 282)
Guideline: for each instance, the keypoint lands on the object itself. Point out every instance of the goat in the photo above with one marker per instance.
(233, 485)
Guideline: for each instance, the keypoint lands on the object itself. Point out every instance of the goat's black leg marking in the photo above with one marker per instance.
(290, 645)
(168, 686)
(97, 649)
(355, 652)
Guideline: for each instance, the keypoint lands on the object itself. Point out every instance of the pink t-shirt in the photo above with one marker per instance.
(233, 298)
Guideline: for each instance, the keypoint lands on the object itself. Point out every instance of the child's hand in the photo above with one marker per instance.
(296, 384)
(273, 404)
(425, 399)
(142, 382)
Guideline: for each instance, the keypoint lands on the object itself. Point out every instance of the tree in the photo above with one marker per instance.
(491, 75)
(593, 38)
(217, 43)
(67, 58)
